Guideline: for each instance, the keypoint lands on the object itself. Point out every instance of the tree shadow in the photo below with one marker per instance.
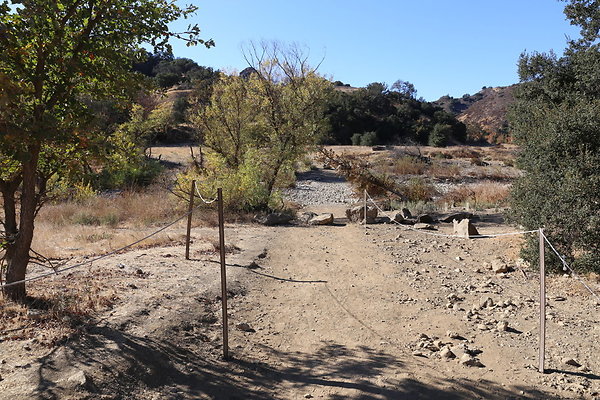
(124, 365)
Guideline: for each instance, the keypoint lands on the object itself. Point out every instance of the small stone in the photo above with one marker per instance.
(245, 327)
(583, 368)
(417, 353)
(570, 361)
(78, 379)
(308, 396)
(559, 298)
(452, 335)
(424, 226)
(499, 266)
(470, 361)
(482, 327)
(447, 353)
(502, 326)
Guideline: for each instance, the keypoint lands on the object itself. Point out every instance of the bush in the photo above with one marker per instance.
(369, 139)
(356, 138)
(438, 137)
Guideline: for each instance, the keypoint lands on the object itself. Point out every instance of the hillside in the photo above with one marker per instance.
(484, 113)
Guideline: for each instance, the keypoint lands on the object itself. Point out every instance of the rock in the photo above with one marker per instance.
(305, 217)
(357, 214)
(453, 335)
(378, 148)
(571, 362)
(406, 213)
(470, 361)
(398, 217)
(486, 302)
(502, 326)
(417, 353)
(208, 318)
(308, 396)
(276, 218)
(447, 353)
(455, 216)
(559, 298)
(499, 266)
(583, 368)
(465, 228)
(321, 219)
(425, 219)
(78, 379)
(245, 327)
(384, 220)
(460, 350)
(482, 327)
(424, 226)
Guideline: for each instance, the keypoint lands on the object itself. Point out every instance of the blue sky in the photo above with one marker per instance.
(441, 46)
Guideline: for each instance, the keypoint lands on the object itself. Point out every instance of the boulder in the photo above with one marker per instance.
(447, 353)
(465, 228)
(425, 219)
(357, 214)
(276, 218)
(321, 219)
(78, 379)
(305, 217)
(470, 361)
(455, 216)
(398, 217)
(406, 213)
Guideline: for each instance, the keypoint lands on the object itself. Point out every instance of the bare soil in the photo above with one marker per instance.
(332, 312)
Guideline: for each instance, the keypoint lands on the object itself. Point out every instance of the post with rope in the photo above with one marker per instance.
(365, 215)
(223, 274)
(542, 302)
(189, 221)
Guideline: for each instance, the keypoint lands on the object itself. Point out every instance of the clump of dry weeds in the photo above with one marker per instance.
(485, 194)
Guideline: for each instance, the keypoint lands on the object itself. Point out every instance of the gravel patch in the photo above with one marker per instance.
(320, 187)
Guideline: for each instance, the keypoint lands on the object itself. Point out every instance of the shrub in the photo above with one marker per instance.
(369, 139)
(407, 165)
(418, 189)
(438, 137)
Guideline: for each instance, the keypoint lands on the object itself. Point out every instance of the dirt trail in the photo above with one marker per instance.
(338, 312)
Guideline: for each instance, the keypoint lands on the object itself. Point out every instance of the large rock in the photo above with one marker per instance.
(425, 219)
(305, 217)
(465, 228)
(357, 214)
(321, 219)
(398, 217)
(276, 218)
(406, 213)
(455, 216)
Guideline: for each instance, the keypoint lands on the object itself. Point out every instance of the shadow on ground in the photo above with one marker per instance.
(125, 366)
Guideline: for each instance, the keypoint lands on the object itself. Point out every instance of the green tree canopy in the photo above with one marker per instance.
(556, 120)
(56, 55)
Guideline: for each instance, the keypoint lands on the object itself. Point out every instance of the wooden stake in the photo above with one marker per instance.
(189, 221)
(365, 202)
(542, 302)
(223, 275)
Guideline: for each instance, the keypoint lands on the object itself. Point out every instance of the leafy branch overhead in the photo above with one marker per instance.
(56, 58)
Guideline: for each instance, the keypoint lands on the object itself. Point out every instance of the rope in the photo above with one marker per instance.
(491, 235)
(203, 199)
(567, 267)
(58, 271)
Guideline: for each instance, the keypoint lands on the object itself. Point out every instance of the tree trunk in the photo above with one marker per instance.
(17, 251)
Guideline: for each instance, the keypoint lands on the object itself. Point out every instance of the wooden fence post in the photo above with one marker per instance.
(542, 302)
(223, 275)
(189, 221)
(365, 203)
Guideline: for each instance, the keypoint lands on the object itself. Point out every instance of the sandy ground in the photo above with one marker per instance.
(332, 312)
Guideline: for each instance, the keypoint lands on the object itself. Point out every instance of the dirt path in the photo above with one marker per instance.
(337, 312)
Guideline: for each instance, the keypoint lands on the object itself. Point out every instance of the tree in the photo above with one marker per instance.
(405, 89)
(272, 111)
(55, 54)
(556, 121)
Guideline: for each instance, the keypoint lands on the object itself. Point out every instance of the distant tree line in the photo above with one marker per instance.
(381, 115)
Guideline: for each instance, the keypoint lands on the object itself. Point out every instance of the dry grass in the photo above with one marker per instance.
(132, 208)
(53, 313)
(485, 194)
(418, 189)
(463, 152)
(444, 171)
(407, 165)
